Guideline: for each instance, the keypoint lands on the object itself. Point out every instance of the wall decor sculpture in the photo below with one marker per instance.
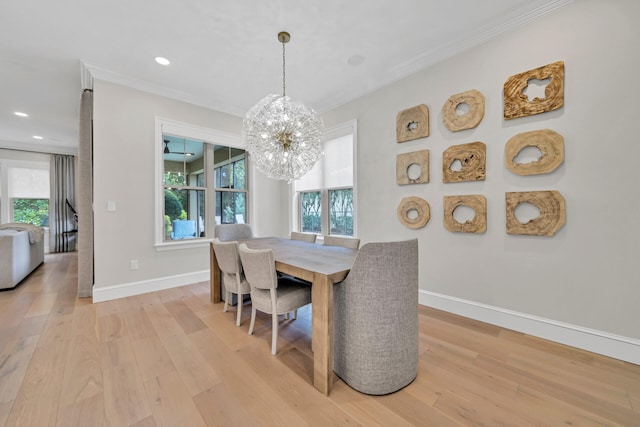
(455, 121)
(550, 144)
(414, 212)
(407, 162)
(472, 162)
(517, 103)
(476, 202)
(552, 209)
(412, 123)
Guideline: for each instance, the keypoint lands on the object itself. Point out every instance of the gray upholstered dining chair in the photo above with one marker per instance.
(228, 232)
(345, 242)
(233, 277)
(305, 237)
(375, 323)
(268, 293)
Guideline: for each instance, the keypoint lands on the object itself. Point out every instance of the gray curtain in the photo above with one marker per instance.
(85, 196)
(62, 223)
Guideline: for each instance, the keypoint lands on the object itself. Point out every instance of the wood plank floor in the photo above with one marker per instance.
(171, 358)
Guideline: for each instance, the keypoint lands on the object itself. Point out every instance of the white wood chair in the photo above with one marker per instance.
(268, 293)
(233, 277)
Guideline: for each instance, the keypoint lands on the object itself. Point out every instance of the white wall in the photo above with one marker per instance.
(586, 275)
(124, 152)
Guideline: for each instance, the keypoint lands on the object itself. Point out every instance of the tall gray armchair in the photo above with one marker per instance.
(375, 347)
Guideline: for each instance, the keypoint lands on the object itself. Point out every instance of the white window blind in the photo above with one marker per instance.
(28, 183)
(334, 169)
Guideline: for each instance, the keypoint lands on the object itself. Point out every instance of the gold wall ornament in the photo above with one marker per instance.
(455, 121)
(552, 209)
(517, 104)
(476, 202)
(550, 144)
(404, 163)
(472, 162)
(412, 123)
(414, 212)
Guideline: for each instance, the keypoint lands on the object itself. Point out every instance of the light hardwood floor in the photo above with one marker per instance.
(171, 358)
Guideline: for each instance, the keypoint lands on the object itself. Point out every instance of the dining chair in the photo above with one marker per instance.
(228, 232)
(345, 242)
(375, 319)
(233, 276)
(305, 237)
(268, 293)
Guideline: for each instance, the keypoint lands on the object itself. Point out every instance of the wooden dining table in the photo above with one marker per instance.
(322, 266)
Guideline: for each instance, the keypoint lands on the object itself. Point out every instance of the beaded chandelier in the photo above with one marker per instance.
(284, 138)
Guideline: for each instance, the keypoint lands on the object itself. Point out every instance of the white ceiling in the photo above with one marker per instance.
(224, 53)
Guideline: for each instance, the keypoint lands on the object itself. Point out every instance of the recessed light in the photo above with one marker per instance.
(21, 114)
(37, 137)
(355, 60)
(162, 61)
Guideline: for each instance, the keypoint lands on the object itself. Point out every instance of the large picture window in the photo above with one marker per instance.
(204, 182)
(324, 197)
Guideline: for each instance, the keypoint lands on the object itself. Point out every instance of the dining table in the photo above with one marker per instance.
(321, 265)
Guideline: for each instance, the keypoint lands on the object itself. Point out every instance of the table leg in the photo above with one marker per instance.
(214, 276)
(322, 330)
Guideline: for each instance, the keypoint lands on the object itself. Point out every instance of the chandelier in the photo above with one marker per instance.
(284, 138)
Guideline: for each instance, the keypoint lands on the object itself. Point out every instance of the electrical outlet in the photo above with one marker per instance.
(133, 264)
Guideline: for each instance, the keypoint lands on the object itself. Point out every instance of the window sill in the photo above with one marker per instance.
(183, 244)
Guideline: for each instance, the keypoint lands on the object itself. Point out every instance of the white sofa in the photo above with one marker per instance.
(18, 255)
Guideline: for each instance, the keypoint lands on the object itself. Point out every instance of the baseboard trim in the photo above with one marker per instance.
(604, 343)
(107, 293)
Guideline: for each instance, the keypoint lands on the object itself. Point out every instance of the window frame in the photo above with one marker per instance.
(232, 189)
(210, 137)
(6, 202)
(334, 132)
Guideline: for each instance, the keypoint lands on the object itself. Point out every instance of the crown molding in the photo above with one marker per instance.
(423, 61)
(38, 148)
(518, 19)
(90, 72)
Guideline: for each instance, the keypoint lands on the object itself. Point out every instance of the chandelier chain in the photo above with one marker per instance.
(283, 71)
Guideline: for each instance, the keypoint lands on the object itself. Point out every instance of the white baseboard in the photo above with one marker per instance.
(604, 343)
(107, 293)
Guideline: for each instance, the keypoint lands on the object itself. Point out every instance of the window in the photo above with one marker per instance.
(202, 182)
(31, 211)
(324, 197)
(28, 191)
(230, 184)
(184, 199)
